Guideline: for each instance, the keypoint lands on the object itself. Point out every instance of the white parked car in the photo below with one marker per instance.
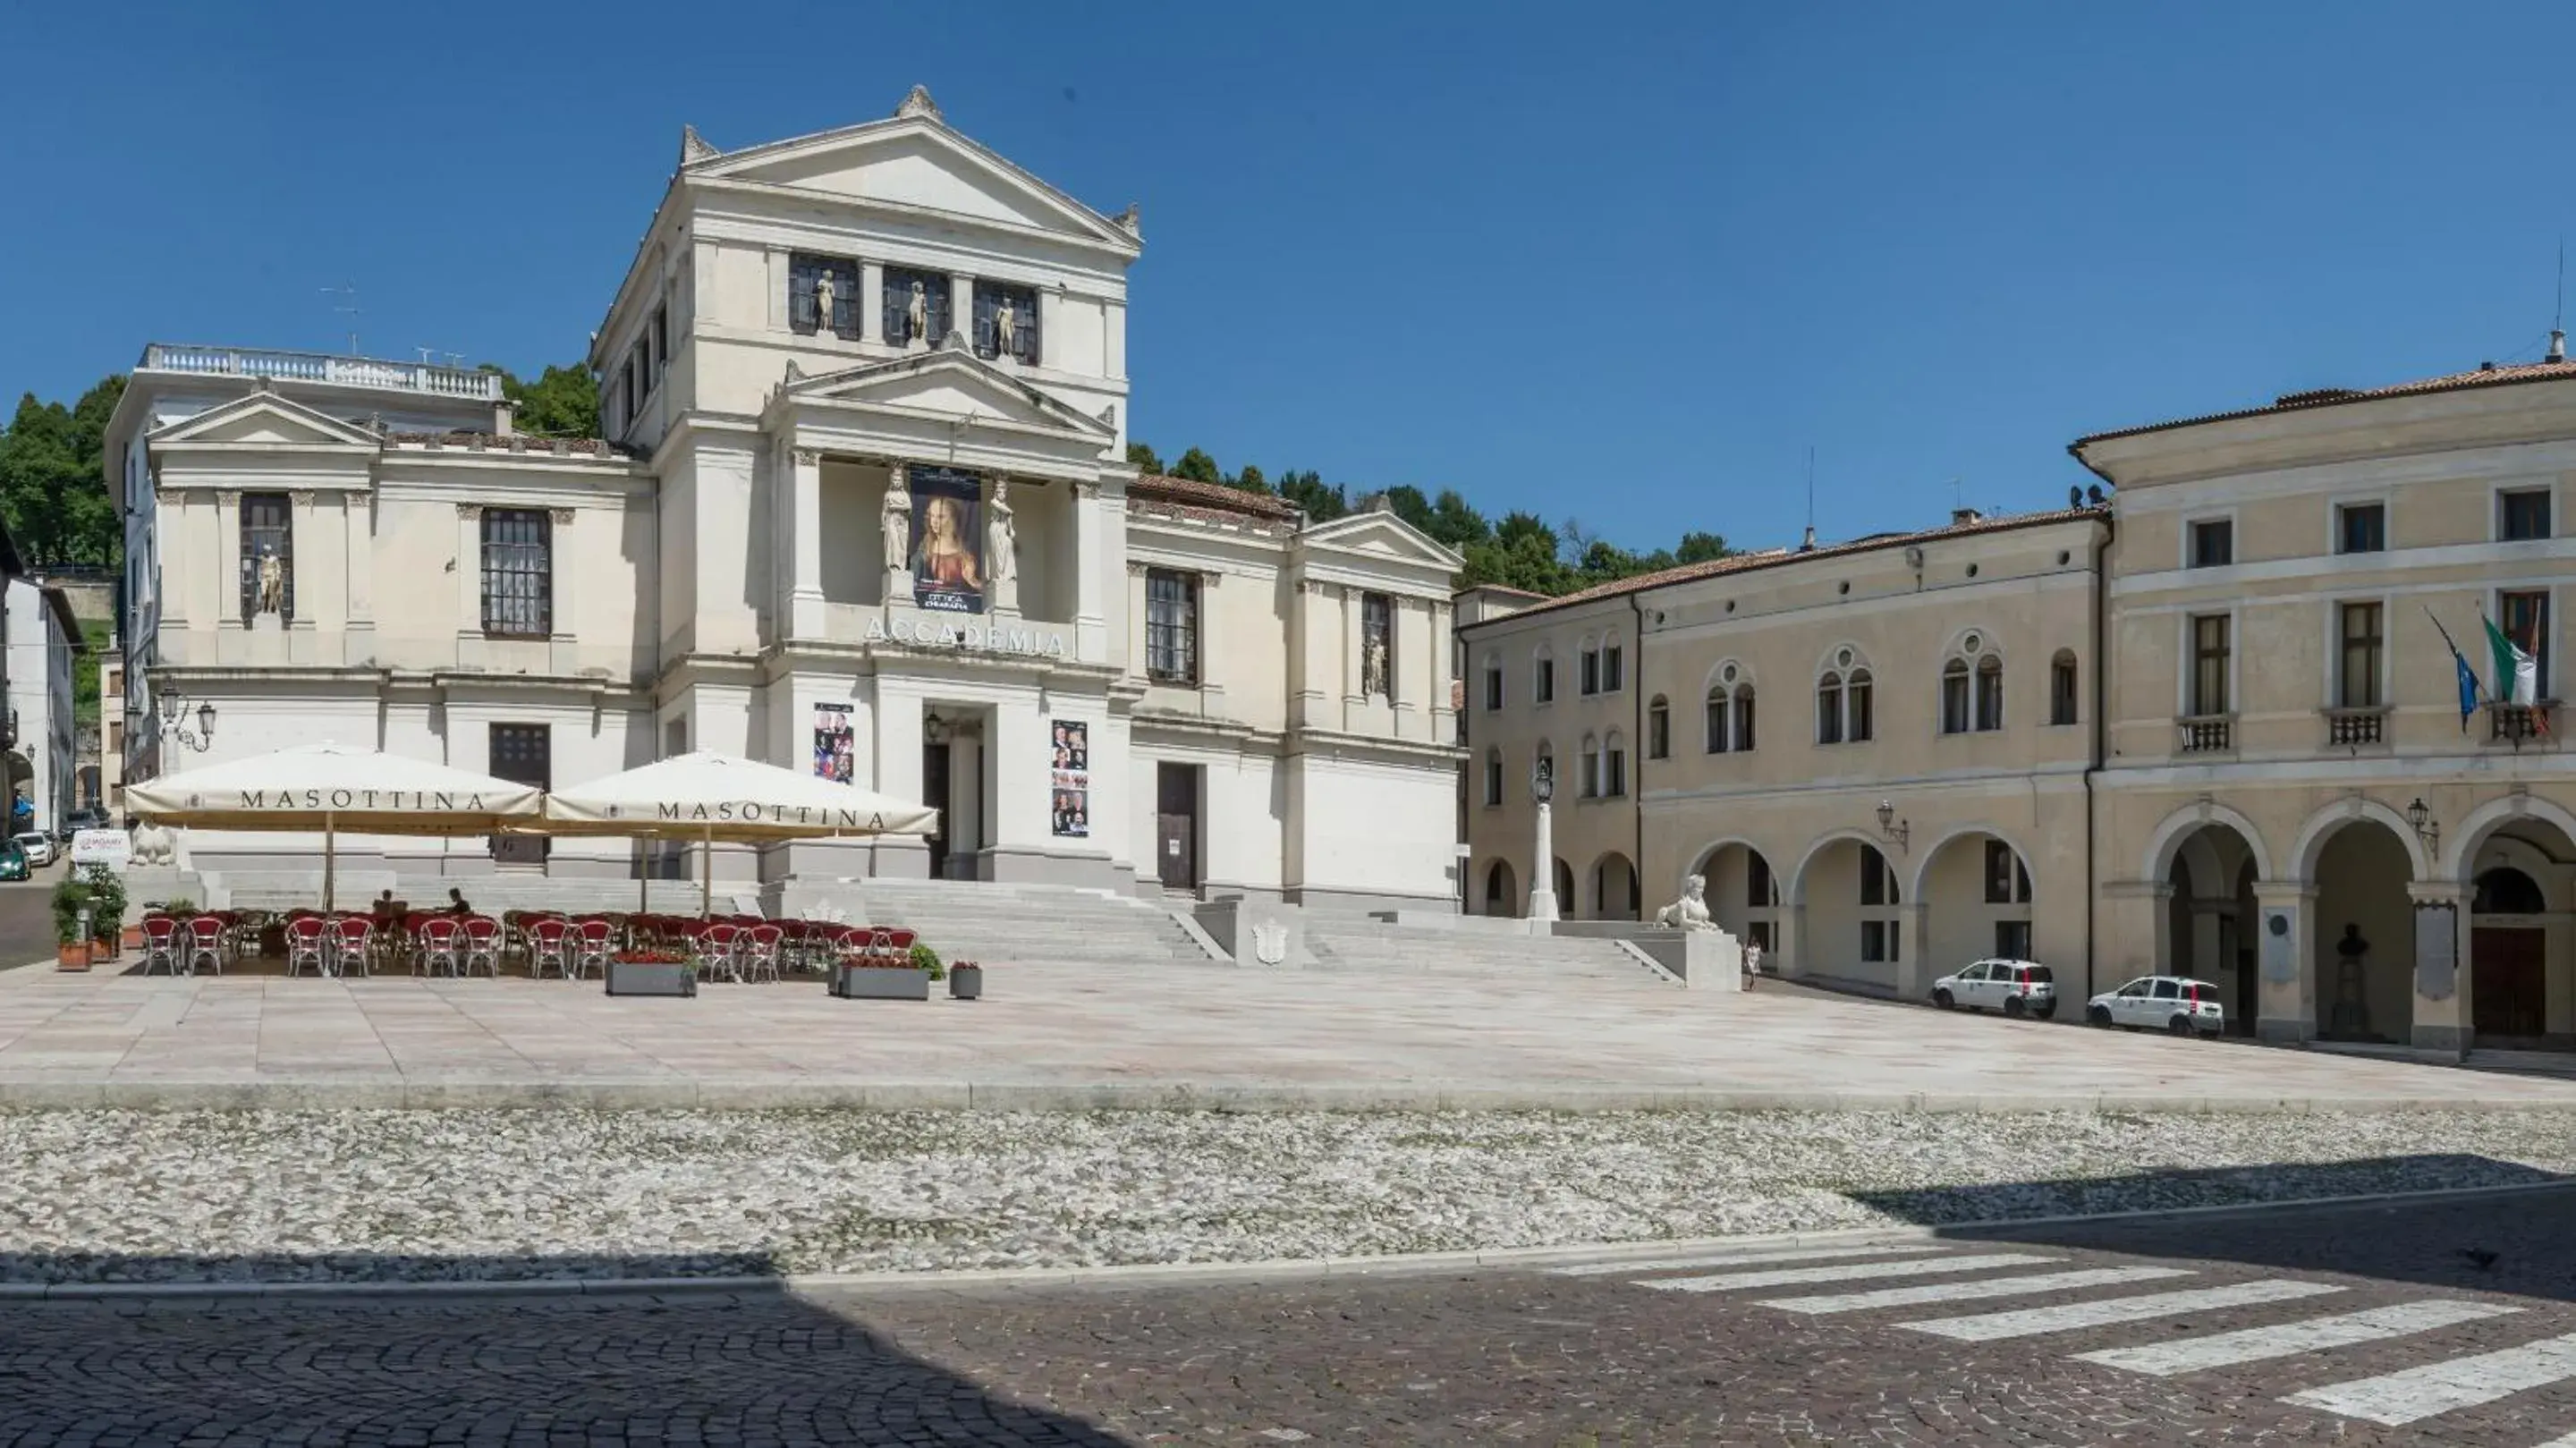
(2173, 1003)
(2014, 987)
(38, 845)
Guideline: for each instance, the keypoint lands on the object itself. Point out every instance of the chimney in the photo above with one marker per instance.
(501, 411)
(1959, 516)
(1807, 544)
(2557, 345)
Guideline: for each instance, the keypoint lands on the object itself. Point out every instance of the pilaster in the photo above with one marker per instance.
(1352, 698)
(804, 510)
(563, 558)
(871, 301)
(469, 574)
(1444, 720)
(1090, 564)
(1913, 951)
(961, 309)
(2285, 954)
(1405, 675)
(2443, 984)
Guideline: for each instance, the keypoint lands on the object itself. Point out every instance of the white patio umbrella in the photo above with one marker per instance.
(335, 787)
(705, 796)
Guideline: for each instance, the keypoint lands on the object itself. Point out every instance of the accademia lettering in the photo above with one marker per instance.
(995, 637)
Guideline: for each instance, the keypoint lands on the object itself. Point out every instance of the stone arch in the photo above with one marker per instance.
(2178, 826)
(2322, 825)
(1616, 893)
(1916, 883)
(1796, 892)
(1731, 901)
(1960, 646)
(1501, 895)
(2460, 844)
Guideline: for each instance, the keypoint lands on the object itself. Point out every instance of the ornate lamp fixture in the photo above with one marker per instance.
(1543, 780)
(1901, 832)
(2427, 828)
(174, 710)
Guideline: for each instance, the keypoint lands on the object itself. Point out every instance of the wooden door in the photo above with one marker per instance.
(934, 792)
(2508, 984)
(1176, 826)
(522, 754)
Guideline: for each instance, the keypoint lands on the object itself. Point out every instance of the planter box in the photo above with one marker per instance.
(966, 982)
(651, 978)
(881, 983)
(74, 956)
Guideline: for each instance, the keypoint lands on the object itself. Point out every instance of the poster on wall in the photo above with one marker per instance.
(833, 743)
(1070, 774)
(947, 540)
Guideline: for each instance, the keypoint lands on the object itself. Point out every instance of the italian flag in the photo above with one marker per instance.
(2517, 674)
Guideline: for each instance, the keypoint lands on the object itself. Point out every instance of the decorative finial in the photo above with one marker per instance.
(694, 147)
(795, 374)
(1130, 221)
(918, 103)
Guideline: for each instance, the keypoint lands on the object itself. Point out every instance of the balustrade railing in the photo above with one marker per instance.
(2205, 733)
(2518, 724)
(370, 372)
(2351, 728)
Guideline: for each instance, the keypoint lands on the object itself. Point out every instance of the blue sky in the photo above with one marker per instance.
(1623, 263)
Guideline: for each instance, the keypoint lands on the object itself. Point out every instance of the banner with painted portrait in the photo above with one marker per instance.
(834, 744)
(947, 553)
(1069, 774)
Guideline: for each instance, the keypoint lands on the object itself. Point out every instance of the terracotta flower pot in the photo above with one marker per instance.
(73, 955)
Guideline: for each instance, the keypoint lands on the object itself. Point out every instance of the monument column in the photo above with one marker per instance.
(1542, 906)
(805, 545)
(2442, 975)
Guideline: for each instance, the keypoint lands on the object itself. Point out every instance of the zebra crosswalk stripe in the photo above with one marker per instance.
(2255, 1344)
(1846, 1272)
(2396, 1399)
(2030, 1321)
(1922, 1293)
(1743, 1259)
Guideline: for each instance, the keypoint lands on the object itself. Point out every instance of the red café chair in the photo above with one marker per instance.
(761, 945)
(205, 943)
(482, 946)
(550, 943)
(441, 943)
(350, 936)
(160, 943)
(717, 947)
(595, 941)
(305, 945)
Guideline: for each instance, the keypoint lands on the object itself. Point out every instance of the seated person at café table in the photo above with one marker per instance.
(456, 903)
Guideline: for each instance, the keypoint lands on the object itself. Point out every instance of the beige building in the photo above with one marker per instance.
(2212, 728)
(862, 508)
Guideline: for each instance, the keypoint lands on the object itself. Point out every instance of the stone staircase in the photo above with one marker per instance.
(492, 894)
(1032, 924)
(1377, 946)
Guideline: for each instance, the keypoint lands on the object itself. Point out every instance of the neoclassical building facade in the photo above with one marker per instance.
(861, 508)
(2211, 725)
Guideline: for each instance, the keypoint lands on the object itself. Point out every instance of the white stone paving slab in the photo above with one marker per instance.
(2102, 1312)
(1847, 1272)
(2399, 1398)
(1991, 1287)
(2288, 1339)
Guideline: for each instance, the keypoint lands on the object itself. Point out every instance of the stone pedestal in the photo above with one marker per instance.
(149, 885)
(1255, 932)
(2285, 955)
(2442, 984)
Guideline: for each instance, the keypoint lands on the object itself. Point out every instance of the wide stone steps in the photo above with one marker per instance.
(1376, 946)
(1030, 924)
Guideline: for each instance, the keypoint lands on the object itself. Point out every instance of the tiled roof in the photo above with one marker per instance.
(2338, 396)
(1778, 557)
(1163, 488)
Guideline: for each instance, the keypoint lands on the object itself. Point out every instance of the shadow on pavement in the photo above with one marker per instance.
(754, 1365)
(2512, 1241)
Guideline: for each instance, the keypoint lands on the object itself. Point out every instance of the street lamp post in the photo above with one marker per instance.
(1542, 898)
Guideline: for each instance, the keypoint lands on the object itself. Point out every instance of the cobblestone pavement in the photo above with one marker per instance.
(2438, 1325)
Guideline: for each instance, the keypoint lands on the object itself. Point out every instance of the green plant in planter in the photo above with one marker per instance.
(71, 897)
(180, 908)
(106, 900)
(925, 958)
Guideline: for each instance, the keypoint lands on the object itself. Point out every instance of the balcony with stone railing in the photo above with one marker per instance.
(2205, 733)
(462, 383)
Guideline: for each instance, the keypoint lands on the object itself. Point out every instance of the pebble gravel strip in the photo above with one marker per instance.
(108, 1196)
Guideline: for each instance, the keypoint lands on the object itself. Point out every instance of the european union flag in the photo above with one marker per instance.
(2468, 689)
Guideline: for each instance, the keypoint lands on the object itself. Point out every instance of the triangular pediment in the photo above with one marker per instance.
(1381, 535)
(265, 419)
(916, 161)
(949, 383)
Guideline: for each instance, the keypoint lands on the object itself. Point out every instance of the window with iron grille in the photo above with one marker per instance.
(1171, 626)
(803, 316)
(266, 532)
(522, 754)
(990, 298)
(899, 282)
(518, 572)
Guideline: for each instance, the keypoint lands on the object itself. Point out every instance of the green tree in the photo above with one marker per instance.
(1144, 459)
(562, 402)
(1454, 523)
(1198, 467)
(1306, 490)
(1250, 480)
(1702, 548)
(54, 492)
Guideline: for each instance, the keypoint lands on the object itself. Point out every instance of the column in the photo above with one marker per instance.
(1444, 720)
(1543, 903)
(2444, 967)
(871, 301)
(1914, 970)
(1405, 674)
(961, 310)
(1090, 567)
(1050, 308)
(469, 577)
(805, 545)
(2285, 954)
(563, 609)
(1352, 698)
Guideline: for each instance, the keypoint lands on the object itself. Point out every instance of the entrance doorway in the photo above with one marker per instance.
(934, 792)
(1176, 825)
(2508, 984)
(522, 754)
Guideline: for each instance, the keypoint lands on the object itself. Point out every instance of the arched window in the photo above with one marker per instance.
(1721, 732)
(1493, 683)
(1614, 765)
(1588, 667)
(1498, 889)
(1744, 716)
(1614, 664)
(1954, 697)
(2061, 687)
(1881, 931)
(1543, 677)
(1589, 781)
(2505, 890)
(1990, 693)
(1493, 774)
(1859, 725)
(1829, 708)
(1659, 729)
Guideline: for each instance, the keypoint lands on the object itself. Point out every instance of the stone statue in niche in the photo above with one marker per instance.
(1002, 549)
(1691, 911)
(1006, 328)
(2351, 1015)
(897, 523)
(826, 294)
(1373, 682)
(916, 315)
(272, 583)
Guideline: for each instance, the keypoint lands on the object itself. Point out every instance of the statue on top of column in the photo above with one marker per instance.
(1001, 549)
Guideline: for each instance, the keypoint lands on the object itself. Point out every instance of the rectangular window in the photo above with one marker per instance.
(1874, 881)
(1829, 711)
(2522, 514)
(1544, 687)
(1659, 732)
(2061, 691)
(1006, 322)
(1590, 783)
(2209, 664)
(518, 572)
(1493, 688)
(2525, 620)
(1758, 891)
(1171, 626)
(639, 369)
(1878, 941)
(1720, 732)
(661, 339)
(916, 306)
(1862, 725)
(1614, 768)
(1614, 669)
(2358, 688)
(813, 281)
(1377, 645)
(522, 754)
(2012, 939)
(1493, 778)
(2213, 543)
(1588, 675)
(2361, 528)
(2006, 884)
(267, 557)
